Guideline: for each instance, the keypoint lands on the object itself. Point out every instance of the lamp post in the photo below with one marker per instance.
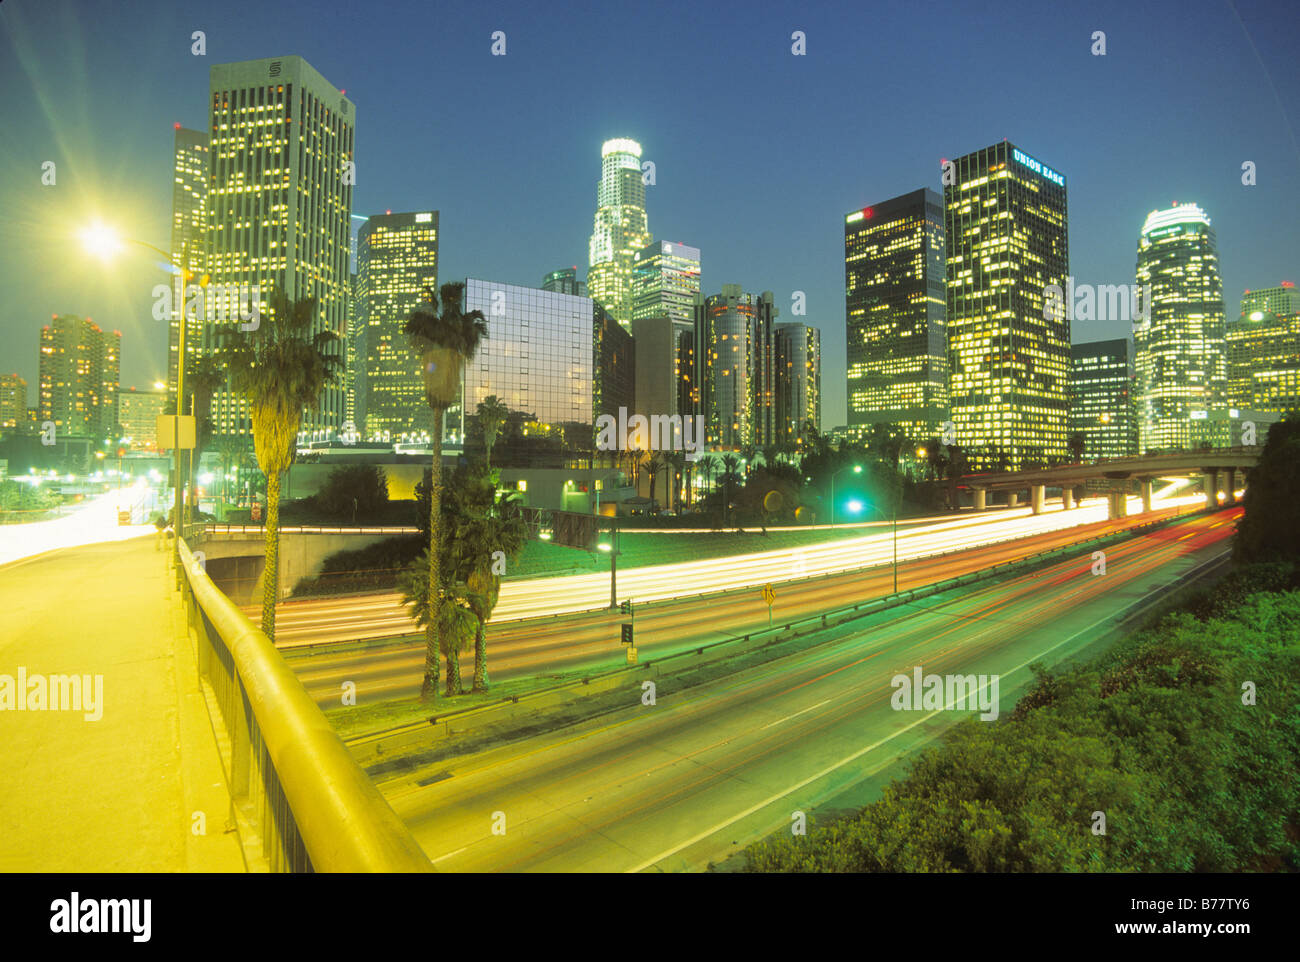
(104, 242)
(857, 469)
(612, 548)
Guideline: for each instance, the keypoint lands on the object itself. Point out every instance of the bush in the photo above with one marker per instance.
(353, 490)
(372, 568)
(1154, 733)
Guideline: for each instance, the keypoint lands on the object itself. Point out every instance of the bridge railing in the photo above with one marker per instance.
(294, 784)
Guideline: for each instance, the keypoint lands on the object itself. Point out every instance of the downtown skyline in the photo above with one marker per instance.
(757, 219)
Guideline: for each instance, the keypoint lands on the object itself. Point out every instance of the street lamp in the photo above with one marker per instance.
(857, 506)
(611, 548)
(102, 241)
(857, 469)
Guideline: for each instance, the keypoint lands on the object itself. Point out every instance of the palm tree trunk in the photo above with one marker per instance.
(429, 689)
(480, 659)
(271, 573)
(453, 670)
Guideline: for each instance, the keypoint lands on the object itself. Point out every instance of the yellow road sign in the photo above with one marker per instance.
(769, 595)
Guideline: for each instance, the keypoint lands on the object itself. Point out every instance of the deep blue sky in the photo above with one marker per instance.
(759, 153)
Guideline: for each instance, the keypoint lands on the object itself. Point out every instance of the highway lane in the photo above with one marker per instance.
(700, 774)
(382, 615)
(591, 641)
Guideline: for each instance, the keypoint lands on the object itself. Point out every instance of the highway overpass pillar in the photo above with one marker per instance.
(1230, 486)
(1036, 498)
(981, 499)
(1118, 505)
(1146, 494)
(1067, 497)
(1211, 484)
(1013, 498)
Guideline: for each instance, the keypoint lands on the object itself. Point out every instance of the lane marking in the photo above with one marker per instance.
(699, 837)
(795, 715)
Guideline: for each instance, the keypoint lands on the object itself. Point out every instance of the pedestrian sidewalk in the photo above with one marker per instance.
(140, 789)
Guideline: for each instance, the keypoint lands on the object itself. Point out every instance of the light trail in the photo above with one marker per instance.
(93, 522)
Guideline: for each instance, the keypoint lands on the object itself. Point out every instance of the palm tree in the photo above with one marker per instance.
(443, 342)
(205, 376)
(447, 613)
(230, 451)
(492, 415)
(730, 466)
(676, 468)
(654, 465)
(502, 531)
(281, 367)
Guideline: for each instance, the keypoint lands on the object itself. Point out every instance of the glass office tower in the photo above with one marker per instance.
(1101, 399)
(538, 359)
(620, 229)
(1008, 365)
(798, 382)
(189, 217)
(1263, 346)
(279, 203)
(397, 260)
(736, 367)
(895, 315)
(565, 281)
(1180, 348)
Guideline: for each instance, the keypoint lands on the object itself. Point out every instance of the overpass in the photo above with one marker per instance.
(1215, 466)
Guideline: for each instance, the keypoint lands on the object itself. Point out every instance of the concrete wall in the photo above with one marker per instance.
(236, 561)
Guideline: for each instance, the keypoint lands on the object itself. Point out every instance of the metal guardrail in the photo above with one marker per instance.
(219, 528)
(290, 776)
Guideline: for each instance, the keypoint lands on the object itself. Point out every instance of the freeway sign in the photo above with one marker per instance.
(770, 597)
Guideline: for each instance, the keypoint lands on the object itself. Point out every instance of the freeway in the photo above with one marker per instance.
(382, 615)
(693, 778)
(591, 641)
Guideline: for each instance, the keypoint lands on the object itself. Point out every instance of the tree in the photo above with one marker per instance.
(676, 466)
(654, 465)
(280, 367)
(446, 614)
(353, 489)
(204, 376)
(492, 417)
(443, 342)
(1270, 528)
(730, 468)
(231, 449)
(1076, 445)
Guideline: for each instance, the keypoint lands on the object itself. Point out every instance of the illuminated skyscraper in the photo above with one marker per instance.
(279, 200)
(1263, 346)
(565, 281)
(798, 358)
(189, 215)
(895, 301)
(736, 367)
(1008, 364)
(665, 284)
(13, 401)
(1101, 399)
(1180, 349)
(80, 367)
(138, 415)
(397, 258)
(620, 229)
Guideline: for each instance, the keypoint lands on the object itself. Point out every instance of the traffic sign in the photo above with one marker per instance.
(769, 595)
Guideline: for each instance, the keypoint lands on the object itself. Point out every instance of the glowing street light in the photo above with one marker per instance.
(857, 469)
(101, 241)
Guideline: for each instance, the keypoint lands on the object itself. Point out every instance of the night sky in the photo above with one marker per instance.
(758, 153)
